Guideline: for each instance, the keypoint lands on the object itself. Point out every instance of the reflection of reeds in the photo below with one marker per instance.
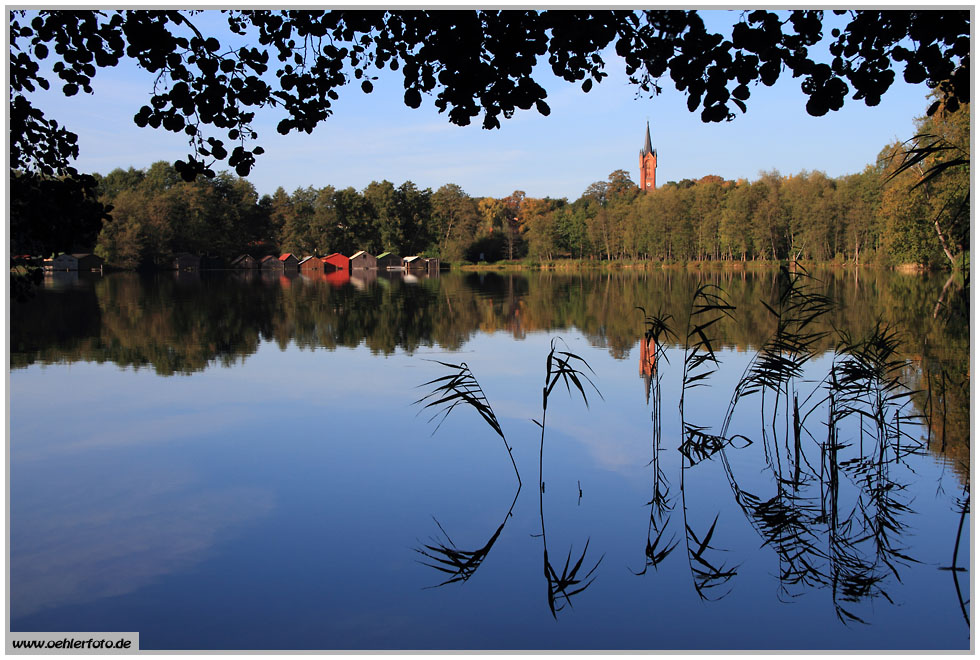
(707, 575)
(657, 548)
(459, 388)
(568, 584)
(698, 446)
(708, 306)
(699, 355)
(782, 358)
(460, 565)
(560, 367)
(964, 506)
(836, 523)
(865, 382)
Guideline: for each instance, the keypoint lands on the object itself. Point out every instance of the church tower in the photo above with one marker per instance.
(648, 164)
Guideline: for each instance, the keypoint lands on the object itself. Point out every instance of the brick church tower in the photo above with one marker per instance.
(648, 164)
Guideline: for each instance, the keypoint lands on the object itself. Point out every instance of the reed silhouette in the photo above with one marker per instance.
(655, 337)
(445, 557)
(460, 388)
(834, 504)
(837, 514)
(561, 367)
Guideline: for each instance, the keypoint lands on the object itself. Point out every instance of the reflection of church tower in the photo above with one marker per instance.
(648, 164)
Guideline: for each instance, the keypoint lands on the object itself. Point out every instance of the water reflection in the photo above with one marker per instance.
(70, 548)
(180, 323)
(851, 542)
(822, 470)
(461, 389)
(460, 565)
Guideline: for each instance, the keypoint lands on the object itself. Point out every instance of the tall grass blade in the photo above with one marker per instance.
(462, 388)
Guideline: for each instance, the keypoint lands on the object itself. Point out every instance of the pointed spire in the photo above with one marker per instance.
(647, 147)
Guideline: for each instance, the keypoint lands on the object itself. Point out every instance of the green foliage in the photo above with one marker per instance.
(156, 215)
(927, 191)
(895, 212)
(455, 217)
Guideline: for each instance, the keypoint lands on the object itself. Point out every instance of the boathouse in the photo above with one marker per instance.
(245, 261)
(64, 262)
(289, 262)
(311, 265)
(88, 261)
(389, 261)
(362, 260)
(187, 261)
(336, 261)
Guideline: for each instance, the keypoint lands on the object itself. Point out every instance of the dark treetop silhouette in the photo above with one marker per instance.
(472, 61)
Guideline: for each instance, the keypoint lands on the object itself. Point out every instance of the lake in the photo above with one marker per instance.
(231, 461)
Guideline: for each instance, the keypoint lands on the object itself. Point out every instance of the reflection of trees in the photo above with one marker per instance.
(54, 325)
(177, 325)
(181, 324)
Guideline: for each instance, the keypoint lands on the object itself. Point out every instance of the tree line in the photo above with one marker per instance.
(893, 212)
(298, 62)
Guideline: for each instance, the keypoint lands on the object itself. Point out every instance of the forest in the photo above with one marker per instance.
(909, 207)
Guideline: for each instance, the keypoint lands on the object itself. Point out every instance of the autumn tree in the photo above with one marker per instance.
(513, 222)
(939, 157)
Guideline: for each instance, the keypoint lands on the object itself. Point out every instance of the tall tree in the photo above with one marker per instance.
(380, 198)
(735, 222)
(414, 210)
(771, 230)
(455, 218)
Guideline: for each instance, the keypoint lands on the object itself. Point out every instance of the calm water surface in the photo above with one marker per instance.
(222, 462)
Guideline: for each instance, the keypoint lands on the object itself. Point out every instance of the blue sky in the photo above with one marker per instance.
(587, 136)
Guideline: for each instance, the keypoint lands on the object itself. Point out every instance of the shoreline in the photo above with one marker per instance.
(711, 266)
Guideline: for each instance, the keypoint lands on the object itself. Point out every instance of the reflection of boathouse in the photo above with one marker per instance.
(362, 277)
(337, 278)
